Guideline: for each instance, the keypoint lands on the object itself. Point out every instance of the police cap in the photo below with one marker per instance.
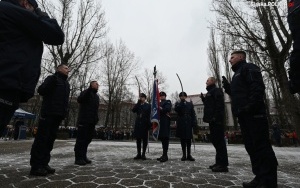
(162, 94)
(143, 95)
(182, 94)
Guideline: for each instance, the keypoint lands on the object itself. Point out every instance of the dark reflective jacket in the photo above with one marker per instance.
(247, 89)
(186, 119)
(214, 107)
(22, 34)
(88, 110)
(142, 121)
(164, 130)
(55, 91)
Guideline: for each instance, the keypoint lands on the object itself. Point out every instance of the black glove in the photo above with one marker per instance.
(202, 96)
(40, 13)
(226, 84)
(33, 3)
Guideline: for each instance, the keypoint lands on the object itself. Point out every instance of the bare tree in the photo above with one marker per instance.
(263, 32)
(147, 80)
(84, 26)
(118, 65)
(213, 58)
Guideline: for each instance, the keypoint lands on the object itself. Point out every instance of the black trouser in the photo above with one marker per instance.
(84, 138)
(255, 132)
(218, 141)
(186, 146)
(165, 145)
(9, 102)
(44, 140)
(139, 145)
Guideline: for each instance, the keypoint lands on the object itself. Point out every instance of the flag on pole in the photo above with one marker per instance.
(155, 110)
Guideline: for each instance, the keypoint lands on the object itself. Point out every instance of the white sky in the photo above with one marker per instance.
(171, 34)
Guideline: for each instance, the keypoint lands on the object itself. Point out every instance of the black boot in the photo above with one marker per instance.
(251, 184)
(138, 147)
(80, 162)
(189, 156)
(159, 158)
(212, 166)
(220, 168)
(38, 172)
(164, 157)
(138, 156)
(49, 169)
(145, 143)
(143, 156)
(87, 160)
(183, 158)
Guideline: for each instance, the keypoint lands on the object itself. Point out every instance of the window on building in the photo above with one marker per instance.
(200, 121)
(198, 110)
(201, 110)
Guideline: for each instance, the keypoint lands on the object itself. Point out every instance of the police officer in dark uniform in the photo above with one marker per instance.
(214, 110)
(294, 24)
(87, 119)
(186, 120)
(55, 91)
(24, 28)
(142, 125)
(164, 130)
(247, 92)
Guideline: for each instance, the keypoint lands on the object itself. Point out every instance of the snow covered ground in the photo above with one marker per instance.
(113, 166)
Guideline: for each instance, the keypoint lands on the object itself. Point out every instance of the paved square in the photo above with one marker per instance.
(113, 166)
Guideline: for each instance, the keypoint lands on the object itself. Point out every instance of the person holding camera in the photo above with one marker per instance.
(55, 91)
(247, 91)
(87, 119)
(24, 29)
(142, 125)
(214, 111)
(186, 120)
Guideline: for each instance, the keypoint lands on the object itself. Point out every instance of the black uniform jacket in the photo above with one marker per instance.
(22, 34)
(55, 91)
(247, 90)
(186, 119)
(214, 107)
(142, 121)
(164, 130)
(88, 110)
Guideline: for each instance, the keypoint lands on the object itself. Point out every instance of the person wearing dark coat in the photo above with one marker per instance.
(294, 25)
(24, 28)
(142, 125)
(186, 120)
(87, 120)
(247, 92)
(55, 91)
(164, 129)
(214, 111)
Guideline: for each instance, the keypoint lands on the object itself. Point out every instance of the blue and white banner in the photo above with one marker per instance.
(155, 108)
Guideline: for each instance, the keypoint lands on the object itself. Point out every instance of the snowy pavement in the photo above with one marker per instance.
(113, 166)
